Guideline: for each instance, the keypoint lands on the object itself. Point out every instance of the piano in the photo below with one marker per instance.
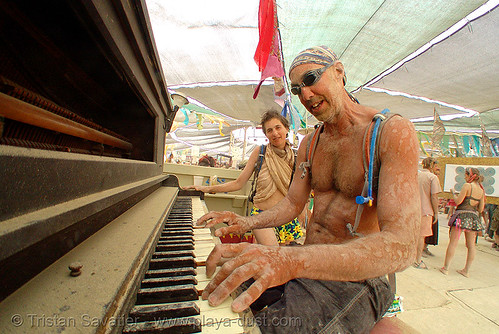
(94, 236)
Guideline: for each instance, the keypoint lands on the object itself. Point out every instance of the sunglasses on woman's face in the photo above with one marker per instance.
(309, 79)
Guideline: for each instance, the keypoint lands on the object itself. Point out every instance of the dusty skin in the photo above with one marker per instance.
(330, 252)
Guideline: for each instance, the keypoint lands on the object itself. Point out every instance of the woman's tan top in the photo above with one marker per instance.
(275, 173)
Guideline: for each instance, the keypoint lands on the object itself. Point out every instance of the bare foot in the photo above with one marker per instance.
(462, 272)
(444, 271)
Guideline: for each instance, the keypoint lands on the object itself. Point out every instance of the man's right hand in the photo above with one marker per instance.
(269, 266)
(237, 224)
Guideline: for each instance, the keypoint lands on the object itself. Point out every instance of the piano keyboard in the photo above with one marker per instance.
(168, 300)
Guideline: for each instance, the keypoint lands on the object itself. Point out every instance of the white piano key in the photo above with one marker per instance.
(202, 231)
(219, 319)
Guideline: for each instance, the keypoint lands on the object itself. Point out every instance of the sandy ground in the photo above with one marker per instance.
(437, 303)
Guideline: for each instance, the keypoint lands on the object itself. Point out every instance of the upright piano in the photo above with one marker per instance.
(94, 237)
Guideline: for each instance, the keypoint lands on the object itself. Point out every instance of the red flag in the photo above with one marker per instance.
(267, 54)
(267, 20)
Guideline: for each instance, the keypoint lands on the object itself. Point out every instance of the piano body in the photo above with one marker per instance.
(83, 115)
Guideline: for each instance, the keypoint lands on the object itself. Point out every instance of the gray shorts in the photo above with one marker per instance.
(314, 306)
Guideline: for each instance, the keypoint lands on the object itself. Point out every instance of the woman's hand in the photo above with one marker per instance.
(197, 188)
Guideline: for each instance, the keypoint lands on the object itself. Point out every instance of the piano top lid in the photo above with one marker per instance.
(96, 58)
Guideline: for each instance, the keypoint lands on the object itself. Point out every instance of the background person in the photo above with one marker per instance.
(429, 188)
(494, 227)
(470, 203)
(272, 182)
(206, 161)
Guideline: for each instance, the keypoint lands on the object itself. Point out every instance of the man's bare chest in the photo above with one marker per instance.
(338, 167)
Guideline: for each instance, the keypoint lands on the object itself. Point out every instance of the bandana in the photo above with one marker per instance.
(321, 55)
(473, 177)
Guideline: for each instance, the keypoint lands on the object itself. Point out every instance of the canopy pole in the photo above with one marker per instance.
(231, 141)
(245, 142)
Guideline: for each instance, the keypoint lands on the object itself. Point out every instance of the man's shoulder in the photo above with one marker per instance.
(395, 126)
(395, 119)
(398, 135)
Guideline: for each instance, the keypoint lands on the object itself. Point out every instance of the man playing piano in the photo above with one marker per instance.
(335, 282)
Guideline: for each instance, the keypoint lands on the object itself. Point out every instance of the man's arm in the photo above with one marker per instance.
(434, 205)
(398, 213)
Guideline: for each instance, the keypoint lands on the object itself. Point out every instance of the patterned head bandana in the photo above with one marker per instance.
(321, 55)
(473, 176)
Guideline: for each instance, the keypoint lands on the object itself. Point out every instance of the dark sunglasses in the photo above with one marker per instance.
(310, 78)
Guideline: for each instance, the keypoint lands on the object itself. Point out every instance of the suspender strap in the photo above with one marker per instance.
(369, 154)
(258, 166)
(311, 146)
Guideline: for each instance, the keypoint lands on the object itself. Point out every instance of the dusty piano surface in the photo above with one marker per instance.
(84, 109)
(168, 299)
(83, 114)
(141, 273)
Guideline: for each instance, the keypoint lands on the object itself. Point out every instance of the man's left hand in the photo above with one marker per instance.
(237, 224)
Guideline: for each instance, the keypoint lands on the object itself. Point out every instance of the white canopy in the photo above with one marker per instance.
(207, 48)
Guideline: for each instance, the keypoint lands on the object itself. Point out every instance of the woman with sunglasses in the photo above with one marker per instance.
(470, 203)
(272, 182)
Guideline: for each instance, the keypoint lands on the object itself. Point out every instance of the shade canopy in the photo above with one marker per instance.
(397, 54)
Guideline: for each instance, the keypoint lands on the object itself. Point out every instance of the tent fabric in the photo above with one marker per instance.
(235, 101)
(368, 36)
(469, 124)
(407, 107)
(207, 47)
(205, 41)
(207, 140)
(462, 70)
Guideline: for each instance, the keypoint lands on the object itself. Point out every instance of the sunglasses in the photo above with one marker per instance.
(310, 78)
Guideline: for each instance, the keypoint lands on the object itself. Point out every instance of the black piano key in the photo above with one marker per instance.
(175, 233)
(179, 221)
(176, 237)
(174, 247)
(166, 241)
(174, 326)
(141, 313)
(174, 262)
(156, 273)
(168, 281)
(179, 253)
(173, 226)
(167, 294)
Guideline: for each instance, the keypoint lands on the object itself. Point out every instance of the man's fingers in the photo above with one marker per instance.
(212, 218)
(226, 253)
(235, 229)
(245, 299)
(203, 220)
(220, 290)
(220, 252)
